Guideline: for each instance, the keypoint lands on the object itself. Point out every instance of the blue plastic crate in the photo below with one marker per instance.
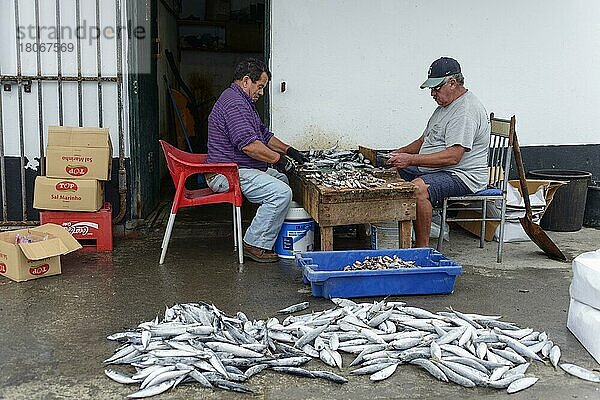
(324, 271)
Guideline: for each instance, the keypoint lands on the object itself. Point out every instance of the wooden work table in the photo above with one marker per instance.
(331, 207)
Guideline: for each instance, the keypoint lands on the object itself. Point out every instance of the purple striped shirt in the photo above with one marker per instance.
(233, 124)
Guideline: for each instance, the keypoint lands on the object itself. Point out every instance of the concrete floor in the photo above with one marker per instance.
(54, 329)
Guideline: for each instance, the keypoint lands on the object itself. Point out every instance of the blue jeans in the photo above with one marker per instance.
(271, 190)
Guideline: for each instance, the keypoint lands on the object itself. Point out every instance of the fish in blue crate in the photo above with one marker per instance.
(423, 271)
(380, 262)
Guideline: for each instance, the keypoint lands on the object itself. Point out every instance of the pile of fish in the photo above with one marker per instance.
(351, 179)
(341, 169)
(380, 262)
(335, 159)
(197, 342)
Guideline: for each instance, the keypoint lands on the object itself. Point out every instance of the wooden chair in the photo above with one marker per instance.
(181, 166)
(499, 158)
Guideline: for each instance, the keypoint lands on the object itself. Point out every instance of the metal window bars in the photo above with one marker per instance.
(24, 83)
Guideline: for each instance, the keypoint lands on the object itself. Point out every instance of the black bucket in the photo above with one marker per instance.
(565, 213)
(591, 217)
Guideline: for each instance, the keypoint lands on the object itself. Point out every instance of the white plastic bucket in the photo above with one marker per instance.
(384, 235)
(297, 233)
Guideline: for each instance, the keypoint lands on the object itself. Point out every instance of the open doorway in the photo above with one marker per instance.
(206, 38)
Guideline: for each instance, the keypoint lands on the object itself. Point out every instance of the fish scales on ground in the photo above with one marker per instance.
(198, 343)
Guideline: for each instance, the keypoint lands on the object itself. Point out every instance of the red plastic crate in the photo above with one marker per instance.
(92, 229)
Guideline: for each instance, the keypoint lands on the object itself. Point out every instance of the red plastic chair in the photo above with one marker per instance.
(181, 166)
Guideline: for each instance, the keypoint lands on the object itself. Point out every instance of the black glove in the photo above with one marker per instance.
(284, 165)
(296, 155)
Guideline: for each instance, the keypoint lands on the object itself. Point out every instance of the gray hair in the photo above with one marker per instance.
(460, 79)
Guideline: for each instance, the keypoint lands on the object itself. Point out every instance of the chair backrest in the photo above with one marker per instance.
(182, 165)
(500, 151)
(176, 158)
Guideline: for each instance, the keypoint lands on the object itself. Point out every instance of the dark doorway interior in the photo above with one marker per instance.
(206, 38)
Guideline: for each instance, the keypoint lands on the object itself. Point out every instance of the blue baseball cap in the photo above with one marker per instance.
(439, 70)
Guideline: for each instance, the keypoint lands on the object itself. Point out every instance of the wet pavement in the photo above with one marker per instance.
(54, 329)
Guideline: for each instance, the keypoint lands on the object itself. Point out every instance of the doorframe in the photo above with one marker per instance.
(267, 58)
(143, 117)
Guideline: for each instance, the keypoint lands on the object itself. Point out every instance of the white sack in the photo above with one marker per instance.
(515, 200)
(513, 232)
(584, 322)
(515, 209)
(585, 287)
(436, 220)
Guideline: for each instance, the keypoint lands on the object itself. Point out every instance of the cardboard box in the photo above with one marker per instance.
(78, 153)
(475, 226)
(25, 261)
(68, 194)
(378, 158)
(533, 185)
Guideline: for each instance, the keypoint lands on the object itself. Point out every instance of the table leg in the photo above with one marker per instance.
(404, 234)
(326, 238)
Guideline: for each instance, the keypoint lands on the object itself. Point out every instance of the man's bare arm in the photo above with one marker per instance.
(412, 148)
(259, 151)
(451, 156)
(277, 145)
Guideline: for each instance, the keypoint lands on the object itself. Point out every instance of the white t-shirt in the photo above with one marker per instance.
(463, 122)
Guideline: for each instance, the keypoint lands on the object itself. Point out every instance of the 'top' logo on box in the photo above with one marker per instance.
(76, 170)
(39, 270)
(66, 186)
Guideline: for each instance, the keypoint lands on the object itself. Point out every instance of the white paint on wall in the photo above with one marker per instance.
(353, 68)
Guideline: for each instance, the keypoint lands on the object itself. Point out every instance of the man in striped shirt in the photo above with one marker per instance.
(236, 134)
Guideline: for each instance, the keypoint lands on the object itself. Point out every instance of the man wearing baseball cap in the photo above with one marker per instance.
(450, 158)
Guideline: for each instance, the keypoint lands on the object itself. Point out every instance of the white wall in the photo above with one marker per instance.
(353, 67)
